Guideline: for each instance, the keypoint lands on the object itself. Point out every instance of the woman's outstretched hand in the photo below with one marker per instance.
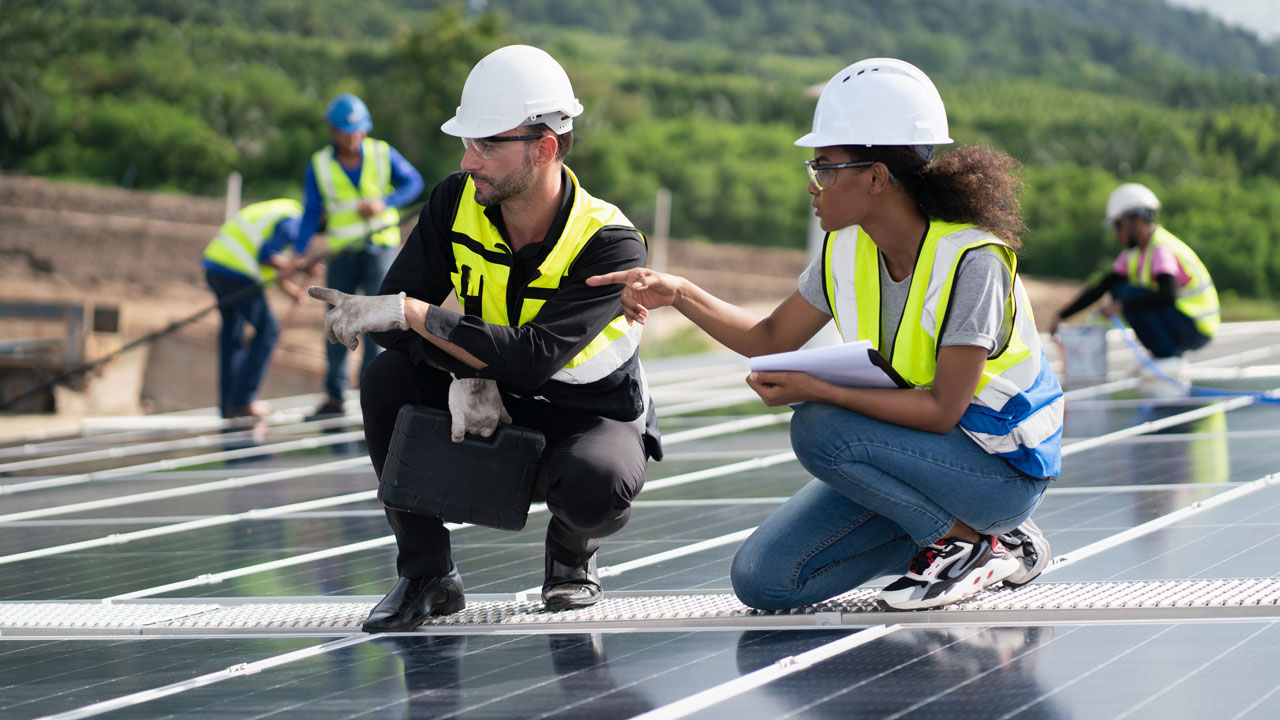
(643, 290)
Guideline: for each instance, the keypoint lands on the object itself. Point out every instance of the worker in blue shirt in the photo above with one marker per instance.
(356, 184)
(250, 252)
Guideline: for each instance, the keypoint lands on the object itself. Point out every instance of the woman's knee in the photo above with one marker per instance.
(756, 579)
(825, 435)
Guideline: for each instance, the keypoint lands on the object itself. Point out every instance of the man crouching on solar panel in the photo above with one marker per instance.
(515, 237)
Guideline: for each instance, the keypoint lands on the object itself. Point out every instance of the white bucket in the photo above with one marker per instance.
(1084, 351)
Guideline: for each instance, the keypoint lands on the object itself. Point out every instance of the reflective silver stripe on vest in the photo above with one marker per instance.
(256, 234)
(948, 248)
(610, 358)
(1038, 427)
(382, 165)
(324, 181)
(248, 263)
(844, 252)
(368, 227)
(1015, 378)
(258, 230)
(337, 207)
(1185, 293)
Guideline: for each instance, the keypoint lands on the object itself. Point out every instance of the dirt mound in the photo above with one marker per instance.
(91, 239)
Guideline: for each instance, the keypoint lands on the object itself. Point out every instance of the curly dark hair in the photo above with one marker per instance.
(971, 184)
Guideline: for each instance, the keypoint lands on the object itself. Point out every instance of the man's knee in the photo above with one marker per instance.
(592, 509)
(593, 494)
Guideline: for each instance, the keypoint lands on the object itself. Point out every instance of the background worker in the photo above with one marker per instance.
(1157, 283)
(356, 184)
(515, 236)
(250, 251)
(919, 261)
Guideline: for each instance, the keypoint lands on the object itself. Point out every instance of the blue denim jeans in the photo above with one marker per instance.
(240, 366)
(882, 492)
(353, 273)
(1165, 332)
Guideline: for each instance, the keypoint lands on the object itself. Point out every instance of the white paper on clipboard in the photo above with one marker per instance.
(854, 364)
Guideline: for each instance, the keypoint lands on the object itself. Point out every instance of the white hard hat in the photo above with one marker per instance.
(513, 86)
(879, 101)
(1127, 198)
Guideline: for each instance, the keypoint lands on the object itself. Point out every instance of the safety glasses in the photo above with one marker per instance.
(822, 175)
(488, 147)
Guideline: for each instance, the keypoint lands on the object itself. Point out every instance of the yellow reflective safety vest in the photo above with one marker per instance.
(344, 227)
(1198, 299)
(240, 239)
(1017, 409)
(482, 269)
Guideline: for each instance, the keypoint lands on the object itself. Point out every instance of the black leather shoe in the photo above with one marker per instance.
(413, 600)
(568, 586)
(332, 407)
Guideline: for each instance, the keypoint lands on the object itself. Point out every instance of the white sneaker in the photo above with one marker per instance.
(949, 571)
(1029, 546)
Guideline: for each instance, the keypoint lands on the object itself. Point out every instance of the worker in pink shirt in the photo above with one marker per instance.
(1157, 284)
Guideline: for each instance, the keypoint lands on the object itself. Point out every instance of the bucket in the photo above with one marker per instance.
(1084, 351)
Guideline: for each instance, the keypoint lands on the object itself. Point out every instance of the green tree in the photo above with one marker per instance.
(421, 83)
(26, 42)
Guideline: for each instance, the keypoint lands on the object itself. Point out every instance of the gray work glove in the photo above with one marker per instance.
(353, 315)
(475, 407)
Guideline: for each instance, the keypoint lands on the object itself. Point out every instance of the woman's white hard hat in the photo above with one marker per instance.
(879, 101)
(1128, 198)
(513, 86)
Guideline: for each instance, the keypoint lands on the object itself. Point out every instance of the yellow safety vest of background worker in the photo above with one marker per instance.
(245, 255)
(356, 184)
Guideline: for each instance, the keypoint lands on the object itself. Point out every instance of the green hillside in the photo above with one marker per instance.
(703, 98)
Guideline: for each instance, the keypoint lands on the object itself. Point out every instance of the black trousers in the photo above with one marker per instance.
(593, 467)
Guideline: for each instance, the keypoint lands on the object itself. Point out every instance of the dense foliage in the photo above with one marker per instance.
(703, 98)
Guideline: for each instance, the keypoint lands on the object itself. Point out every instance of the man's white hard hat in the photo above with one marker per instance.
(879, 101)
(1128, 198)
(513, 86)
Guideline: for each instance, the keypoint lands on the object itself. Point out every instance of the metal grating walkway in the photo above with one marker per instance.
(1042, 603)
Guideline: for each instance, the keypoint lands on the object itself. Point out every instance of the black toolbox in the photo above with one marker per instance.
(482, 481)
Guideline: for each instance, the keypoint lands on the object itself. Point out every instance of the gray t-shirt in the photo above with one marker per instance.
(979, 313)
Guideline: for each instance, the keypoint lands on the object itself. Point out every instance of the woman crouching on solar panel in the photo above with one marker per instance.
(938, 479)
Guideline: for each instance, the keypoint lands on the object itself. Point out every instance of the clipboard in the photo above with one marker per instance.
(854, 364)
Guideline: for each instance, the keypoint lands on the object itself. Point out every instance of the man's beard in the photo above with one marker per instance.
(503, 189)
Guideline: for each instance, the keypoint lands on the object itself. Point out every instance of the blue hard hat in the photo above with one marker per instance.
(347, 113)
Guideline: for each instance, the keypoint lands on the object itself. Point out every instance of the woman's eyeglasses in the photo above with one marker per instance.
(824, 174)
